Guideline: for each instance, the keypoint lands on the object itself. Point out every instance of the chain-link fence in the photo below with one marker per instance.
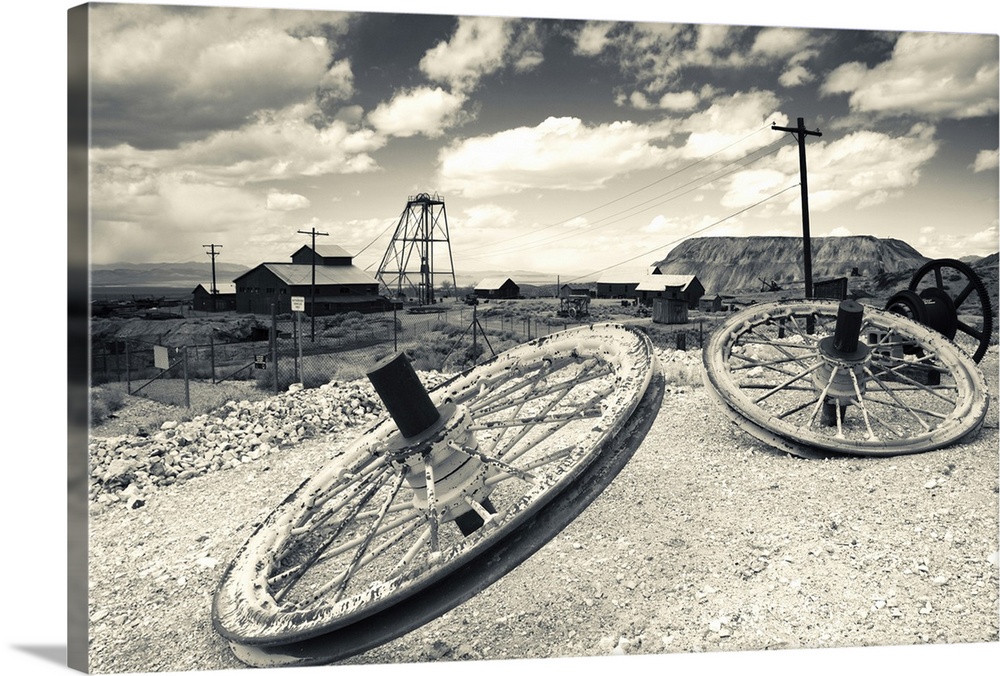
(299, 349)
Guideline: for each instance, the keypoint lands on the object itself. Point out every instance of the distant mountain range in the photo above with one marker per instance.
(722, 264)
(191, 274)
(729, 264)
(187, 275)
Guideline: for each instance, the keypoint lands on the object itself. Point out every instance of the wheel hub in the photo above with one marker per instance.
(446, 453)
(434, 447)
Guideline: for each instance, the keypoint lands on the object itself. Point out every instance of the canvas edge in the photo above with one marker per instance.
(78, 347)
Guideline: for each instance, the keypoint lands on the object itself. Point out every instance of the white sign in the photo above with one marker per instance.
(298, 303)
(161, 357)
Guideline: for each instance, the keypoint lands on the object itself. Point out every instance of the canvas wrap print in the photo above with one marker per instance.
(420, 338)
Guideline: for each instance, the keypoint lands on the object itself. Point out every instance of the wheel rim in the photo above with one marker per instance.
(906, 389)
(378, 527)
(969, 301)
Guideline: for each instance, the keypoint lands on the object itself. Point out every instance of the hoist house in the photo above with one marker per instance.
(340, 285)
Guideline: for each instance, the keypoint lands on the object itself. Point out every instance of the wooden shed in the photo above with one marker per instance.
(835, 289)
(223, 300)
(497, 287)
(670, 311)
(684, 287)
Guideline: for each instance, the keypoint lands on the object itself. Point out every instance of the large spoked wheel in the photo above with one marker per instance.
(817, 378)
(438, 501)
(957, 304)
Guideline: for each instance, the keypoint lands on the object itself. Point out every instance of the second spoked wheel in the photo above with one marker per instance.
(956, 303)
(441, 499)
(819, 378)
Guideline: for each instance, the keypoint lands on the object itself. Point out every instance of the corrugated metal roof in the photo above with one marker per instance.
(491, 283)
(661, 282)
(331, 251)
(221, 288)
(298, 275)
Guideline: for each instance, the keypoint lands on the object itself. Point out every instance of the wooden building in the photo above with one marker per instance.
(676, 287)
(618, 285)
(835, 289)
(670, 311)
(565, 291)
(223, 300)
(340, 285)
(497, 287)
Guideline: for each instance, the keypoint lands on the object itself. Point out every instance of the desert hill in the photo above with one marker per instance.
(729, 264)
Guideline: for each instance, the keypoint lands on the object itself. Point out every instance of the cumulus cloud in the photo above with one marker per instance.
(795, 76)
(423, 111)
(177, 216)
(560, 153)
(593, 37)
(208, 186)
(864, 168)
(938, 75)
(985, 160)
(163, 75)
(679, 101)
(655, 55)
(488, 217)
(781, 43)
(481, 46)
(286, 201)
(728, 120)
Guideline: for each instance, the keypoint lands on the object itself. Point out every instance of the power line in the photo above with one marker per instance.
(687, 236)
(598, 224)
(627, 195)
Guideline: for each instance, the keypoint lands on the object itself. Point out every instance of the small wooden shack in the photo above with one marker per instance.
(670, 311)
(223, 300)
(497, 287)
(835, 289)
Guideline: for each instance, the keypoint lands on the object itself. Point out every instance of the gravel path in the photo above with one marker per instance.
(706, 541)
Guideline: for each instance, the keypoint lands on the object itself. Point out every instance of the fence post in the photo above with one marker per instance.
(187, 383)
(274, 343)
(211, 354)
(395, 331)
(128, 369)
(298, 345)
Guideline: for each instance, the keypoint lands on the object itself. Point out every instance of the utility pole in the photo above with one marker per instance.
(800, 132)
(213, 253)
(312, 299)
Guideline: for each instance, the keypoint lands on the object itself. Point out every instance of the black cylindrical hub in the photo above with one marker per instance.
(848, 330)
(404, 395)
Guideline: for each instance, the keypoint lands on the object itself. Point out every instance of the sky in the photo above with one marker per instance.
(567, 146)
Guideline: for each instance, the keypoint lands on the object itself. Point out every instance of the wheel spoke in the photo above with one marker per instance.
(352, 512)
(898, 394)
(969, 330)
(490, 461)
(964, 294)
(896, 399)
(895, 372)
(789, 381)
(752, 363)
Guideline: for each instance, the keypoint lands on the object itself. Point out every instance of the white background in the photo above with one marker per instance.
(33, 192)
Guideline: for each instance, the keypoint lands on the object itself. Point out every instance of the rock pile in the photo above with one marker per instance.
(124, 469)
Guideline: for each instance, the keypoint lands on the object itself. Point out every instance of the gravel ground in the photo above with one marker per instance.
(707, 541)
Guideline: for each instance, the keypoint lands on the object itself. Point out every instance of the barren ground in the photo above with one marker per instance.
(707, 541)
